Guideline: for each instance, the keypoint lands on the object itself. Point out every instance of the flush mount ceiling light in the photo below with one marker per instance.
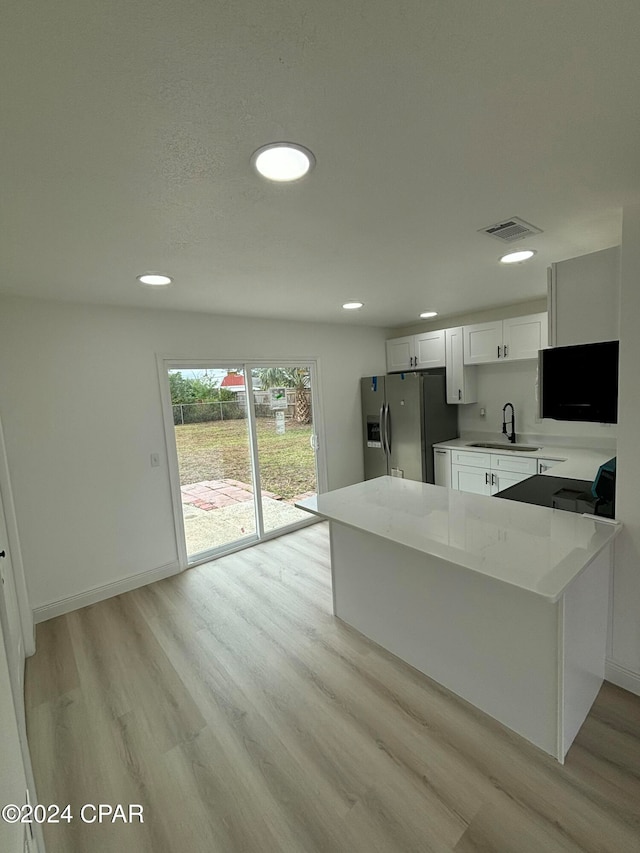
(426, 314)
(283, 161)
(517, 257)
(353, 306)
(154, 279)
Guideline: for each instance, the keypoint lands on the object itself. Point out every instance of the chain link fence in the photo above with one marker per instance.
(227, 410)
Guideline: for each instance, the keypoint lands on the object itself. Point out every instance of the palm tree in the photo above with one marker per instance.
(297, 378)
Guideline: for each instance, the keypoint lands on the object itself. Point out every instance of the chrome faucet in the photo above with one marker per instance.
(510, 437)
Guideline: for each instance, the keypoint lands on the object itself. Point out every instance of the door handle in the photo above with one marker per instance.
(3, 554)
(382, 440)
(486, 479)
(387, 428)
(459, 394)
(493, 479)
(498, 350)
(505, 350)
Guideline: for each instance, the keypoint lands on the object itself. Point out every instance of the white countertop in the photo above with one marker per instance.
(576, 463)
(534, 548)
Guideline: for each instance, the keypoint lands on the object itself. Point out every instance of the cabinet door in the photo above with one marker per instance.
(524, 336)
(483, 342)
(400, 354)
(442, 467)
(464, 478)
(461, 380)
(503, 479)
(429, 349)
(584, 299)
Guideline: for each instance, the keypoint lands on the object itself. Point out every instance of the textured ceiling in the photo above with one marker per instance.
(128, 126)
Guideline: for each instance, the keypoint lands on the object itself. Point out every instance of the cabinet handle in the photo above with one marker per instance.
(441, 451)
(498, 350)
(459, 394)
(505, 350)
(493, 479)
(486, 479)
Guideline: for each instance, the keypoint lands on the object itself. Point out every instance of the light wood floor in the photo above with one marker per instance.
(231, 704)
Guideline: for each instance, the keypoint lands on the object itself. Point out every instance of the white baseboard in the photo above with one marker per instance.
(622, 677)
(99, 593)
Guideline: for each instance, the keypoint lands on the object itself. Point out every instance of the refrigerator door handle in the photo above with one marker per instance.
(387, 429)
(382, 436)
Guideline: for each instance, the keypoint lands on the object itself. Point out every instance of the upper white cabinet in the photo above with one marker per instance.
(400, 354)
(583, 299)
(416, 352)
(461, 380)
(482, 342)
(430, 349)
(505, 340)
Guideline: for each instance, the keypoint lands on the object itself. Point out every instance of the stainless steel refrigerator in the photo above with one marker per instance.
(404, 415)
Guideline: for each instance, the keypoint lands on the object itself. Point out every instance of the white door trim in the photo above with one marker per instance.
(25, 612)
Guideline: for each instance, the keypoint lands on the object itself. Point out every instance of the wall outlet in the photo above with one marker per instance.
(155, 460)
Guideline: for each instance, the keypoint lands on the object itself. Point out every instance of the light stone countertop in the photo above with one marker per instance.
(535, 548)
(576, 463)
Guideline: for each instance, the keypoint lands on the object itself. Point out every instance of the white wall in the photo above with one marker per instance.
(80, 404)
(516, 382)
(499, 312)
(626, 603)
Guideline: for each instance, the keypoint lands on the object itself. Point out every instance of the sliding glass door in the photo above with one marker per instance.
(245, 451)
(285, 441)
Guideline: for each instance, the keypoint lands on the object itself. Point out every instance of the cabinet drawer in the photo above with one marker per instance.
(545, 464)
(517, 464)
(468, 457)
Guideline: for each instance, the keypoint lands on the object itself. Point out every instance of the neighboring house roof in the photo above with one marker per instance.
(233, 381)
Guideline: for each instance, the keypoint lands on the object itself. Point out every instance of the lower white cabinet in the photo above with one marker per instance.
(466, 478)
(442, 467)
(489, 473)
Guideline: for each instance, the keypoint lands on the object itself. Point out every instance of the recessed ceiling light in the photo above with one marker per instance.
(352, 306)
(426, 314)
(153, 279)
(283, 161)
(517, 257)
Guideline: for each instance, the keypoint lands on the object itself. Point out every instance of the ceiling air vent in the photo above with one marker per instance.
(511, 229)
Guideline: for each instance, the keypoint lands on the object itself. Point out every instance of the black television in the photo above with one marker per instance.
(580, 383)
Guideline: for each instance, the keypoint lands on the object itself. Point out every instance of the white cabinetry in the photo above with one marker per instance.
(583, 299)
(461, 380)
(442, 467)
(400, 352)
(429, 349)
(416, 352)
(488, 473)
(505, 340)
(466, 478)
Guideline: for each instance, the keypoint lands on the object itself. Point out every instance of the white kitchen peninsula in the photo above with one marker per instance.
(503, 603)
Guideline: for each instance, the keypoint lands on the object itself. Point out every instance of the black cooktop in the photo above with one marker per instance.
(558, 493)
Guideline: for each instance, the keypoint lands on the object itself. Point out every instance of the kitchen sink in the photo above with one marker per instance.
(496, 445)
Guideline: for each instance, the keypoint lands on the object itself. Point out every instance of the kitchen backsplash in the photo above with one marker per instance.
(517, 383)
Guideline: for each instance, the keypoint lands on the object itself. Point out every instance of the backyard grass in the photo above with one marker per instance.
(220, 450)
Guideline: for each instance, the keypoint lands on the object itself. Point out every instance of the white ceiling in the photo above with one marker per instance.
(129, 124)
